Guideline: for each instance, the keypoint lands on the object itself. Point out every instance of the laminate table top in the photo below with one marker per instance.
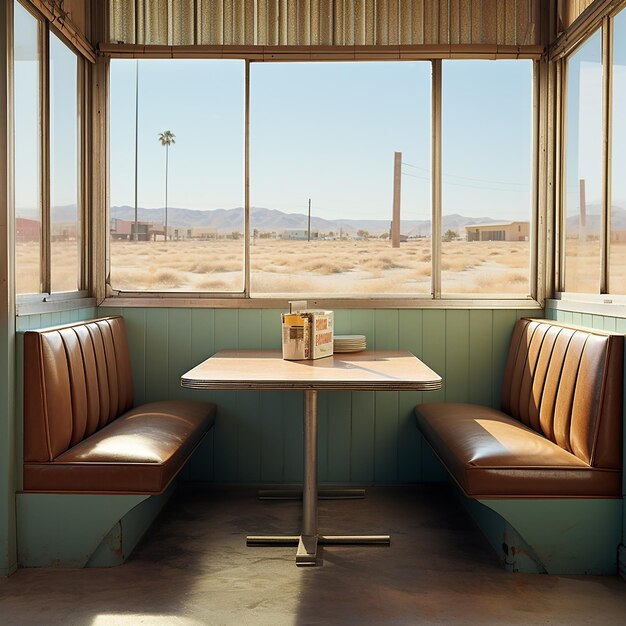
(372, 370)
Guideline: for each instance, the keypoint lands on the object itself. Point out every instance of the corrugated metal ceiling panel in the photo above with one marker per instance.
(325, 22)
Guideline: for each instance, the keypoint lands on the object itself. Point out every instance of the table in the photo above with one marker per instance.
(378, 370)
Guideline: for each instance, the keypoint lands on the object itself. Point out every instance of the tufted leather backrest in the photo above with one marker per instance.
(565, 382)
(77, 379)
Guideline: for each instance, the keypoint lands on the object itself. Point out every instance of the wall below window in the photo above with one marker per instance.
(364, 437)
(43, 320)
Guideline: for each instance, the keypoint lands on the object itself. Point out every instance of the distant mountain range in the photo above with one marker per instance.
(594, 221)
(273, 220)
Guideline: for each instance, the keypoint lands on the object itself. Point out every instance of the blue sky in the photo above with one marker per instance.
(327, 131)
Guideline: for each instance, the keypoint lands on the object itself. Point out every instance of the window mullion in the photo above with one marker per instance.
(436, 180)
(46, 270)
(539, 140)
(561, 171)
(83, 166)
(246, 218)
(607, 65)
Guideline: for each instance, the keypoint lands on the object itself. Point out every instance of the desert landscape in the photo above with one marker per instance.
(336, 268)
(365, 267)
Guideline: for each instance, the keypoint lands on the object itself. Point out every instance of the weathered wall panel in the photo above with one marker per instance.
(569, 10)
(324, 22)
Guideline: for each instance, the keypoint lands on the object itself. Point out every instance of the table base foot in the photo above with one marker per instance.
(347, 540)
(323, 494)
(306, 555)
(272, 540)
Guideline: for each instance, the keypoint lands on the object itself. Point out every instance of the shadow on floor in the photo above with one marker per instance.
(193, 567)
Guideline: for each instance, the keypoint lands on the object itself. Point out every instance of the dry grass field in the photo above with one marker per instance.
(336, 268)
(294, 267)
(322, 267)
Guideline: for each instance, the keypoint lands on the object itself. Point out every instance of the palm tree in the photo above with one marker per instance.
(167, 139)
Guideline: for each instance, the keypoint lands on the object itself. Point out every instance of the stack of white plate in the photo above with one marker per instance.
(349, 343)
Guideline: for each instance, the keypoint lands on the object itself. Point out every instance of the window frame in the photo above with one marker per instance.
(243, 299)
(604, 296)
(47, 300)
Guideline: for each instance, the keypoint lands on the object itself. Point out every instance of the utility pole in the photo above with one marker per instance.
(309, 224)
(395, 224)
(582, 220)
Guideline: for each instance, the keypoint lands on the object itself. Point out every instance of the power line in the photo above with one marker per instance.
(477, 180)
(465, 184)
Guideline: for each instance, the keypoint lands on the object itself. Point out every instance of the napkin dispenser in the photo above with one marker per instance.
(307, 333)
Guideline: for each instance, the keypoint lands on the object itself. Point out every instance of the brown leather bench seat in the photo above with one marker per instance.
(559, 431)
(81, 431)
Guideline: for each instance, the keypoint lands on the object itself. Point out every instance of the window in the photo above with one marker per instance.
(487, 177)
(27, 157)
(593, 218)
(331, 163)
(330, 133)
(582, 196)
(46, 106)
(177, 199)
(617, 268)
(65, 235)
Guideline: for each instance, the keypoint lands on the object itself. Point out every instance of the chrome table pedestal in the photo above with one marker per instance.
(309, 539)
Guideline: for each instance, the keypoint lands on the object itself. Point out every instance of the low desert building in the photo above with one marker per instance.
(509, 231)
(300, 234)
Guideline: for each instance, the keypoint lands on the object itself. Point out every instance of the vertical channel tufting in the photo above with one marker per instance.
(539, 379)
(58, 398)
(606, 449)
(124, 371)
(516, 341)
(553, 381)
(101, 370)
(520, 366)
(111, 364)
(77, 378)
(529, 373)
(91, 379)
(586, 405)
(36, 427)
(556, 383)
(567, 389)
(78, 389)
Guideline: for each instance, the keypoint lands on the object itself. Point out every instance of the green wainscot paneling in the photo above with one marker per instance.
(43, 320)
(363, 437)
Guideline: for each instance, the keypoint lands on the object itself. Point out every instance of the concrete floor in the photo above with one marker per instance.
(194, 568)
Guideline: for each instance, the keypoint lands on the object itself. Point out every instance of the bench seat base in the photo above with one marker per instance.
(551, 536)
(82, 530)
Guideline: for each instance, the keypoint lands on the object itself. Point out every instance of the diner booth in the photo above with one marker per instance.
(200, 198)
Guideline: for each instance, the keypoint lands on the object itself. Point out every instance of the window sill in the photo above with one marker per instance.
(605, 304)
(43, 303)
(394, 302)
